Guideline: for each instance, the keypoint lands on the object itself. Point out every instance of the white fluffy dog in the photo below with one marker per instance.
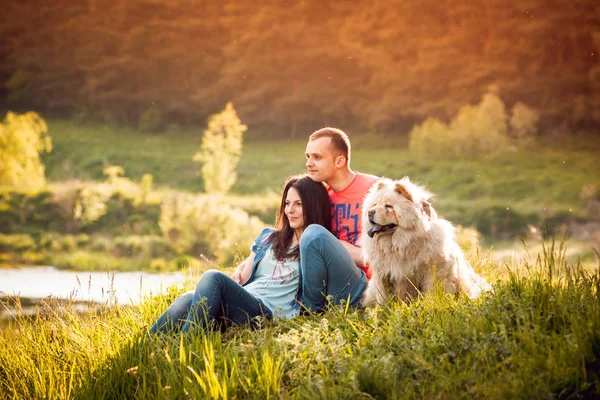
(408, 247)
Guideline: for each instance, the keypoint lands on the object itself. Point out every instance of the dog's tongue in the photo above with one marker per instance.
(374, 229)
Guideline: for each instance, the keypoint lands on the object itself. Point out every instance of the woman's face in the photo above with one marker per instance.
(293, 209)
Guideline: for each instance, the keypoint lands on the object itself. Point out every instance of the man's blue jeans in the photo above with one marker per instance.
(217, 298)
(327, 270)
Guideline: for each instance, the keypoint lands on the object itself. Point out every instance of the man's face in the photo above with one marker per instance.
(320, 160)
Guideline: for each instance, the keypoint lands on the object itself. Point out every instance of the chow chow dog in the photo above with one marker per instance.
(409, 248)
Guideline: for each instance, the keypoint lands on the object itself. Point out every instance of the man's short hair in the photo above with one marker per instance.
(339, 141)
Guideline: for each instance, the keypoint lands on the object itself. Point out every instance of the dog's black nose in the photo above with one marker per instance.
(371, 213)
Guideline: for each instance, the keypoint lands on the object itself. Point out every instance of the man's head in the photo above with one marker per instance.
(327, 154)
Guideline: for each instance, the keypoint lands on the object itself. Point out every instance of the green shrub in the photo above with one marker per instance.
(100, 244)
(431, 137)
(16, 243)
(474, 131)
(84, 261)
(147, 246)
(523, 122)
(158, 264)
(31, 258)
(29, 212)
(207, 226)
(126, 215)
(478, 130)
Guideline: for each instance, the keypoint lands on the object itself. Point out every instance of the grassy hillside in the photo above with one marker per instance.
(535, 336)
(539, 183)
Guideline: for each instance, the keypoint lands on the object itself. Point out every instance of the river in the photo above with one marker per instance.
(124, 288)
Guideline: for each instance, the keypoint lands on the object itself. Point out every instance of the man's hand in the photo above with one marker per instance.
(355, 252)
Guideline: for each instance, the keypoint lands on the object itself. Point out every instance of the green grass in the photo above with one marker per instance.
(548, 179)
(536, 336)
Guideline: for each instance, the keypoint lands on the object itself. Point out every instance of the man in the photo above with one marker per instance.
(332, 264)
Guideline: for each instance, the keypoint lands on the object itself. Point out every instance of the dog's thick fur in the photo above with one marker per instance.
(408, 247)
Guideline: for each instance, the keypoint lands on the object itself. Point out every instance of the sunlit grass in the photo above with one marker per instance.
(536, 336)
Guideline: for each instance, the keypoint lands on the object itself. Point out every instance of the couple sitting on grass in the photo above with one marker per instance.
(312, 253)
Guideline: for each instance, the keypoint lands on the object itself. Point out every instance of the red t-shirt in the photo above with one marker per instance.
(346, 210)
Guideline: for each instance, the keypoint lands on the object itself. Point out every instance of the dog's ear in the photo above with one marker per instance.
(402, 190)
(380, 184)
(428, 209)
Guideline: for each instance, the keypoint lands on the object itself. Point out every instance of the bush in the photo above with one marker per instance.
(207, 226)
(477, 130)
(16, 243)
(29, 212)
(523, 122)
(146, 246)
(100, 244)
(431, 137)
(125, 215)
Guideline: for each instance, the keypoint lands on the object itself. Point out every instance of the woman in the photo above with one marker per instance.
(267, 282)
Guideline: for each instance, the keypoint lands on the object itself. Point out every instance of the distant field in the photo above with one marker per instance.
(547, 180)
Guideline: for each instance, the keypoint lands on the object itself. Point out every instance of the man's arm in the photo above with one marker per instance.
(355, 252)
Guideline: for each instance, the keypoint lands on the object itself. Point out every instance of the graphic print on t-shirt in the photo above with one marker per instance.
(283, 273)
(345, 221)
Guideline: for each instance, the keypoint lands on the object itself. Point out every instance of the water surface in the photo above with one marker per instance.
(119, 287)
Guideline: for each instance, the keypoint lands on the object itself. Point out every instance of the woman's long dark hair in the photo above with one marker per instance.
(315, 208)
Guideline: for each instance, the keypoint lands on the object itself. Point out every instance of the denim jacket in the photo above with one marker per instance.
(260, 247)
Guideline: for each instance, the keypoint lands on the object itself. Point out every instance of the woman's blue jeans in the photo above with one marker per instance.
(327, 270)
(217, 298)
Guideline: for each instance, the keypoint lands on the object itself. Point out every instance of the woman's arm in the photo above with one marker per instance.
(244, 270)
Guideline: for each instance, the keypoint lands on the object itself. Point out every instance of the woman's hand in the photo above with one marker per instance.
(237, 276)
(244, 270)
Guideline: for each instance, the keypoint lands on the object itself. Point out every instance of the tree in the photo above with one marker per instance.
(221, 150)
(22, 139)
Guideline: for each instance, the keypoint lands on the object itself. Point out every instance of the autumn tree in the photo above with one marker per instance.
(22, 139)
(221, 150)
(381, 64)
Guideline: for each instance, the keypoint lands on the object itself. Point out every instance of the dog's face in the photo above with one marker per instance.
(392, 205)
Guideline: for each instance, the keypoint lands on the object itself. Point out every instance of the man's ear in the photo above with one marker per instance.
(340, 161)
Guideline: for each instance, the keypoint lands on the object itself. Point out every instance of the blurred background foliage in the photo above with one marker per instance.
(494, 105)
(290, 67)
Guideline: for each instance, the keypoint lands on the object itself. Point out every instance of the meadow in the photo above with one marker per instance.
(548, 187)
(552, 174)
(543, 191)
(537, 335)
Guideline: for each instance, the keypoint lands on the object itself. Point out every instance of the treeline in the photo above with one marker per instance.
(295, 65)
